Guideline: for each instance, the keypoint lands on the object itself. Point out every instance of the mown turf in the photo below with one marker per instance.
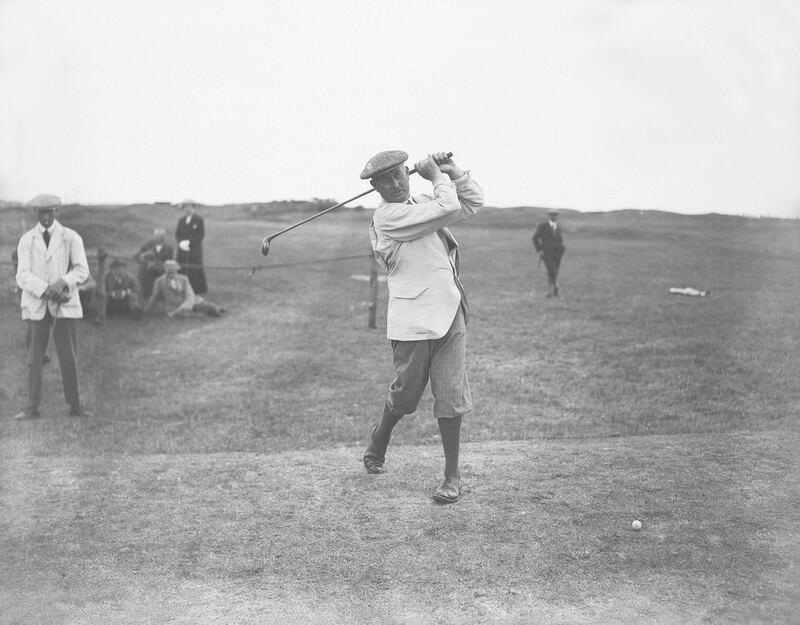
(543, 533)
(220, 479)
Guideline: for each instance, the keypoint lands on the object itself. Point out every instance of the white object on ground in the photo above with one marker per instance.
(637, 524)
(687, 290)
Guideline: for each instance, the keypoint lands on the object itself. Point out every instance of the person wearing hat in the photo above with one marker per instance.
(51, 264)
(549, 244)
(122, 293)
(151, 257)
(427, 313)
(176, 291)
(189, 234)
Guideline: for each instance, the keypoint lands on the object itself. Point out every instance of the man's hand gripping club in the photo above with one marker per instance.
(438, 165)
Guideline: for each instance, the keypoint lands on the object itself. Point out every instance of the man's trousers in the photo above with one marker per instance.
(442, 361)
(65, 338)
(552, 263)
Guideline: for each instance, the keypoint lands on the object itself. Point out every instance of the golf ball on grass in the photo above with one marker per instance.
(637, 524)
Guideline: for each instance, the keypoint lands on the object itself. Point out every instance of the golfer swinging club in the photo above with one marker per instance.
(427, 315)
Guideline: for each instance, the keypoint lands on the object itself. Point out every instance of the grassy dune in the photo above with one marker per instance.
(220, 480)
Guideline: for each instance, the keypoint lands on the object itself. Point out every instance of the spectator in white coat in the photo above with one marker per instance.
(51, 264)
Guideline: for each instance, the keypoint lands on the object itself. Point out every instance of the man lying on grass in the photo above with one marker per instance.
(427, 315)
(178, 295)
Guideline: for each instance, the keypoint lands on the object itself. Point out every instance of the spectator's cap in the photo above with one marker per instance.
(45, 201)
(159, 232)
(553, 212)
(383, 162)
(117, 262)
(171, 264)
(187, 202)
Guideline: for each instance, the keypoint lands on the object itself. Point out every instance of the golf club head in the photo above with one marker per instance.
(265, 246)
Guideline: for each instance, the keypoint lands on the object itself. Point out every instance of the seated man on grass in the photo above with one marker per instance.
(178, 295)
(122, 293)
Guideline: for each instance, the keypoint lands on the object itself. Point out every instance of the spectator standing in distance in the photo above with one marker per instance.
(549, 244)
(176, 291)
(51, 264)
(428, 313)
(122, 294)
(151, 257)
(189, 235)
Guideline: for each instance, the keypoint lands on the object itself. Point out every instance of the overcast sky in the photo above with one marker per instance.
(690, 106)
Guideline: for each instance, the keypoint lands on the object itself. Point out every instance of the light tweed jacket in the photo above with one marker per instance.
(412, 242)
(41, 266)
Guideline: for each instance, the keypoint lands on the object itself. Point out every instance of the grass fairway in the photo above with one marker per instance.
(220, 480)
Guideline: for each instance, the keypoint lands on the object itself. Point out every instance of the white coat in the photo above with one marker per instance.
(412, 242)
(40, 266)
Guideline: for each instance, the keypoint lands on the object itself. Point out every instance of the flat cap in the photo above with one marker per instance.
(117, 262)
(45, 200)
(383, 162)
(552, 211)
(188, 201)
(171, 264)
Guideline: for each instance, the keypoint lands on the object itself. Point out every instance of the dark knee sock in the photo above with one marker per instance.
(450, 429)
(381, 436)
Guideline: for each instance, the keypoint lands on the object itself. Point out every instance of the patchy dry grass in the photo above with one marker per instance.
(220, 480)
(544, 531)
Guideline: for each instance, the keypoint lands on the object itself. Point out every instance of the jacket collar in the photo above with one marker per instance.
(54, 228)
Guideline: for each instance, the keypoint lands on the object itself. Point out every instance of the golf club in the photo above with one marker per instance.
(268, 239)
(47, 358)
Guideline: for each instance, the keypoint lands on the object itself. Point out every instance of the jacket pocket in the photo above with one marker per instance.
(408, 291)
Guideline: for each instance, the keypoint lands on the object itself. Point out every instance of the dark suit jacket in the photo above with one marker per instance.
(147, 253)
(194, 231)
(547, 241)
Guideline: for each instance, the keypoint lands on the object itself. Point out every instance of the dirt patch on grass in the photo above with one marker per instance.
(543, 529)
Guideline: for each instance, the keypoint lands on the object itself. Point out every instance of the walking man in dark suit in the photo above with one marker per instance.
(549, 244)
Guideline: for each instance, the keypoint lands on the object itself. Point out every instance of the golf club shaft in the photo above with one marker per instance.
(319, 214)
(266, 241)
(52, 332)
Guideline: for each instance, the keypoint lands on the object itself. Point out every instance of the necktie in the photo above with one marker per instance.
(46, 235)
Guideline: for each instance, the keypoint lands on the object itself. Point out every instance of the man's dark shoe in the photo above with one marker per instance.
(28, 413)
(449, 491)
(372, 462)
(79, 412)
